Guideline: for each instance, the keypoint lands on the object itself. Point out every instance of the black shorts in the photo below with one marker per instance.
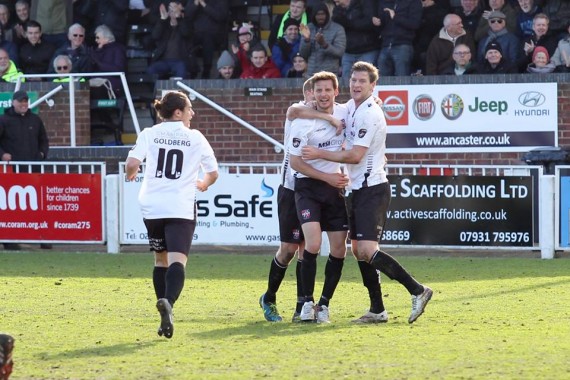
(318, 201)
(170, 234)
(289, 226)
(368, 212)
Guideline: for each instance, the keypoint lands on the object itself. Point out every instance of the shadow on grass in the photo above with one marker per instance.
(99, 350)
(256, 267)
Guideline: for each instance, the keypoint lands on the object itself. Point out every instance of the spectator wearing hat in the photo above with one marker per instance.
(227, 66)
(8, 70)
(362, 42)
(561, 56)
(440, 51)
(494, 62)
(286, 47)
(261, 67)
(296, 11)
(299, 69)
(540, 62)
(23, 137)
(498, 32)
(246, 41)
(496, 5)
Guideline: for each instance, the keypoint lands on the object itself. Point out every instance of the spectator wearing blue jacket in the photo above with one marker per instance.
(286, 47)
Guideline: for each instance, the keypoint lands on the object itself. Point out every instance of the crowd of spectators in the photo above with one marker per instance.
(195, 38)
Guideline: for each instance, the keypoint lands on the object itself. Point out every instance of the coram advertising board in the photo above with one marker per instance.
(236, 210)
(506, 117)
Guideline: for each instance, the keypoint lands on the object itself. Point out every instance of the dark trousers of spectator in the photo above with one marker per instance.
(167, 68)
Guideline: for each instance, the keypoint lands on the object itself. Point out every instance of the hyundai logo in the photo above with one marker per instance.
(532, 99)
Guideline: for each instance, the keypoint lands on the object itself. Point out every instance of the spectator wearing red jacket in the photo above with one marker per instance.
(260, 67)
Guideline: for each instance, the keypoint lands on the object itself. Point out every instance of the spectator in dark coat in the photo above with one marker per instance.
(398, 22)
(440, 50)
(510, 44)
(462, 63)
(299, 69)
(541, 36)
(76, 50)
(170, 35)
(470, 13)
(209, 20)
(22, 17)
(109, 56)
(496, 5)
(35, 55)
(362, 42)
(525, 15)
(494, 62)
(112, 13)
(433, 13)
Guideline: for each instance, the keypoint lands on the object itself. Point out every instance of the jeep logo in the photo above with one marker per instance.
(500, 106)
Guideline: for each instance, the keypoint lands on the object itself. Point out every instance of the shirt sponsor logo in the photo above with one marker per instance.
(296, 142)
(362, 133)
(306, 214)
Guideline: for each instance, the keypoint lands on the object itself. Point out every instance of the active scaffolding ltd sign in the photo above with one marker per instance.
(514, 117)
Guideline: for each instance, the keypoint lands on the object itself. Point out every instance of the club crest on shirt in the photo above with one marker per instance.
(306, 214)
(296, 142)
(362, 132)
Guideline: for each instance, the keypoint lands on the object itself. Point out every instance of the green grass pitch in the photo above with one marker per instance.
(93, 316)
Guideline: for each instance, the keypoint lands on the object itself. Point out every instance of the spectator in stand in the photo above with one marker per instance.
(170, 35)
(440, 51)
(246, 41)
(525, 15)
(470, 13)
(9, 46)
(209, 19)
(299, 69)
(494, 62)
(540, 62)
(433, 13)
(541, 36)
(397, 22)
(323, 42)
(62, 65)
(5, 21)
(112, 13)
(297, 11)
(23, 137)
(362, 43)
(286, 47)
(510, 44)
(561, 56)
(35, 55)
(227, 66)
(496, 5)
(109, 56)
(8, 70)
(76, 50)
(55, 16)
(261, 66)
(558, 12)
(462, 63)
(23, 16)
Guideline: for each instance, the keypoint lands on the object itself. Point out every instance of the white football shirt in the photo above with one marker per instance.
(174, 155)
(366, 126)
(320, 134)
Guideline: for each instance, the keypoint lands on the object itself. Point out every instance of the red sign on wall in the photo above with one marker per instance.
(53, 207)
(395, 105)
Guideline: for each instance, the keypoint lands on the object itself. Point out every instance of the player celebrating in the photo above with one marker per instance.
(174, 154)
(364, 154)
(319, 197)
